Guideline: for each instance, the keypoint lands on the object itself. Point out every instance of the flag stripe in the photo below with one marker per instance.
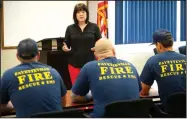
(102, 17)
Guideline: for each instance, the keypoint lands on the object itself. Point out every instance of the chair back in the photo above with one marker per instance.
(182, 50)
(176, 104)
(67, 113)
(129, 108)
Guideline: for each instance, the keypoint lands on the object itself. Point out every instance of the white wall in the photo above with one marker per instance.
(39, 19)
(134, 53)
(8, 59)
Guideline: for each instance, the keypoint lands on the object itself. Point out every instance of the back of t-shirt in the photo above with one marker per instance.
(169, 70)
(33, 88)
(109, 80)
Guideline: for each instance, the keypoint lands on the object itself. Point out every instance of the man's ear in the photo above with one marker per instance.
(38, 55)
(114, 52)
(93, 49)
(95, 56)
(17, 56)
(160, 46)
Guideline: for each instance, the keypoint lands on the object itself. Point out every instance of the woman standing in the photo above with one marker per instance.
(80, 37)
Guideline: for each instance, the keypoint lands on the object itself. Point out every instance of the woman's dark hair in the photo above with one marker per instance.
(80, 7)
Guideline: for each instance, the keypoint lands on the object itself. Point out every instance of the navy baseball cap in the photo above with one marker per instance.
(160, 35)
(27, 49)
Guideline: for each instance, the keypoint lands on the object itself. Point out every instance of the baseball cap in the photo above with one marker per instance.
(27, 49)
(160, 35)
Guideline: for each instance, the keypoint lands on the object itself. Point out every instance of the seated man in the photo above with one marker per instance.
(32, 87)
(168, 68)
(109, 79)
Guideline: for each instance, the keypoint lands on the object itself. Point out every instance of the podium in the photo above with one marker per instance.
(51, 53)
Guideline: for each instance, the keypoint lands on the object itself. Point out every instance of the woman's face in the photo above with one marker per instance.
(81, 16)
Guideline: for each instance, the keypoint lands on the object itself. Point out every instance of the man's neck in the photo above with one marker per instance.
(168, 49)
(28, 61)
(104, 57)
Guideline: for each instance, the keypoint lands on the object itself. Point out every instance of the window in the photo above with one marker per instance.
(183, 21)
(137, 20)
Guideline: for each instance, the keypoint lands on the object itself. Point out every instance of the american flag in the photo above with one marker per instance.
(102, 18)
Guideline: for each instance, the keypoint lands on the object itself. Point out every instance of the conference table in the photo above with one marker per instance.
(84, 106)
(69, 104)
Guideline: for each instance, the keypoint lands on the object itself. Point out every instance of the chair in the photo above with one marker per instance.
(182, 50)
(68, 113)
(129, 108)
(175, 106)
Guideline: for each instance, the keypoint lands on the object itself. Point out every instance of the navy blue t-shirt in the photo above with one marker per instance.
(169, 71)
(32, 88)
(109, 80)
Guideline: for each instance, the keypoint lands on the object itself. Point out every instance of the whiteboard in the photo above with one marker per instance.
(36, 19)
